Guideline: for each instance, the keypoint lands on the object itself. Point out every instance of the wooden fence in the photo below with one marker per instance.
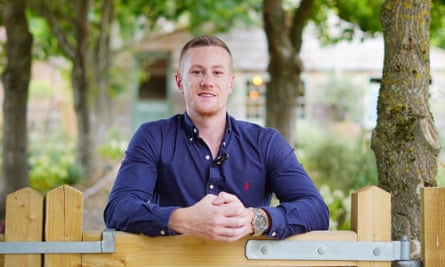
(58, 216)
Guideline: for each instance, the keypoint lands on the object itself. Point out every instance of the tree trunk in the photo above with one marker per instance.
(101, 118)
(15, 78)
(79, 80)
(405, 140)
(285, 65)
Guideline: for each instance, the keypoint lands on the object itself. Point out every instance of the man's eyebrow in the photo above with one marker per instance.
(219, 66)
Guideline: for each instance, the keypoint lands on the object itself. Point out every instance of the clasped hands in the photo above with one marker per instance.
(221, 217)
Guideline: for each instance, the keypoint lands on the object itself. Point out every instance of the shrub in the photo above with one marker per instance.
(339, 204)
(342, 163)
(113, 147)
(53, 162)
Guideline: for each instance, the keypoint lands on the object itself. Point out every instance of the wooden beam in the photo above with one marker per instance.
(433, 226)
(371, 218)
(139, 250)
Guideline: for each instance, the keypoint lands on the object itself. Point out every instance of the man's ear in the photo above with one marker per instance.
(231, 83)
(178, 79)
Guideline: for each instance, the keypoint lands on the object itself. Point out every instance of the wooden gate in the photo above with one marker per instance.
(58, 216)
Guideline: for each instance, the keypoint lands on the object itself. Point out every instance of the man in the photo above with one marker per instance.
(207, 174)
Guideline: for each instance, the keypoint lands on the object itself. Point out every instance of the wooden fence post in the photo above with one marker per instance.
(24, 222)
(433, 226)
(371, 218)
(64, 214)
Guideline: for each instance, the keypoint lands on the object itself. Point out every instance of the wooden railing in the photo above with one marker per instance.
(58, 216)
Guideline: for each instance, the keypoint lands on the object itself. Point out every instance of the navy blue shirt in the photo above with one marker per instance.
(167, 166)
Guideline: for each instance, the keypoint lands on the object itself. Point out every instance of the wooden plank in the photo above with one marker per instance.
(2, 257)
(24, 222)
(371, 218)
(64, 216)
(433, 226)
(138, 250)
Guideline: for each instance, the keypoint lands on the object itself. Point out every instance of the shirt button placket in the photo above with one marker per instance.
(210, 185)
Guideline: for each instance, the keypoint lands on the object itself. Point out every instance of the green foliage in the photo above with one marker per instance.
(338, 165)
(341, 163)
(339, 204)
(45, 44)
(114, 145)
(438, 23)
(362, 18)
(356, 18)
(198, 17)
(364, 13)
(53, 163)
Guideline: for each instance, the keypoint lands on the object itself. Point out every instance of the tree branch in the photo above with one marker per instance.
(43, 9)
(300, 18)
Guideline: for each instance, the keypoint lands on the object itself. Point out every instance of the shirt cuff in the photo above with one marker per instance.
(277, 222)
(164, 214)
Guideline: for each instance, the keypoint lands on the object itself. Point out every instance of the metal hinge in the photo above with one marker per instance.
(106, 245)
(328, 250)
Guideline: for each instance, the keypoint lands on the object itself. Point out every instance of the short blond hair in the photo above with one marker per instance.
(202, 41)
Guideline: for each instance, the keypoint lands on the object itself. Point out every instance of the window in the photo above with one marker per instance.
(153, 78)
(255, 106)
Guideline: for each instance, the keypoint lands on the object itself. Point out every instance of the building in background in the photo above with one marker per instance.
(333, 74)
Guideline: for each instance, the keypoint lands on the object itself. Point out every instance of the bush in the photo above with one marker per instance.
(113, 147)
(339, 204)
(53, 162)
(341, 163)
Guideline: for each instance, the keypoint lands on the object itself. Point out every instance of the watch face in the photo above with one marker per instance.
(260, 222)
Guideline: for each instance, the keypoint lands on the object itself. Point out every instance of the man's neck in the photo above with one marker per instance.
(211, 130)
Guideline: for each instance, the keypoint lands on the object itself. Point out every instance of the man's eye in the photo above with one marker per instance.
(196, 72)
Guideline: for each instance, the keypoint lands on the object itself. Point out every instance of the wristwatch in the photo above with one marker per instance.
(260, 222)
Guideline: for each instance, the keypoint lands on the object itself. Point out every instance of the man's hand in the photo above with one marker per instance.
(222, 218)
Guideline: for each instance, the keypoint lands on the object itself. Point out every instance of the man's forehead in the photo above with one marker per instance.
(208, 50)
(215, 56)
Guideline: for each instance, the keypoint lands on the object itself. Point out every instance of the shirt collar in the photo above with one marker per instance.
(192, 132)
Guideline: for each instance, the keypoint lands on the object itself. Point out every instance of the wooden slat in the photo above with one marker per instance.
(138, 250)
(2, 257)
(24, 222)
(433, 226)
(64, 216)
(371, 218)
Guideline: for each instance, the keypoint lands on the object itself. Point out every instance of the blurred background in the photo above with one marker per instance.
(133, 51)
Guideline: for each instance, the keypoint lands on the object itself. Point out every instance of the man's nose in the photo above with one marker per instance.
(206, 80)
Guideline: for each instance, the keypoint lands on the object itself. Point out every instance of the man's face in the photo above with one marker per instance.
(205, 78)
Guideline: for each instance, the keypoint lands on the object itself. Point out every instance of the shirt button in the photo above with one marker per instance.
(211, 186)
(195, 130)
(274, 234)
(207, 157)
(162, 232)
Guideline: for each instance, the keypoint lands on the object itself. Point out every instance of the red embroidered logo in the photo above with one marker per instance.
(246, 185)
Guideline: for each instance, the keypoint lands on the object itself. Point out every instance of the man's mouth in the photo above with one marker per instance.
(205, 94)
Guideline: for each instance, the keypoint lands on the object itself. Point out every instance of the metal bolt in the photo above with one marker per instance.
(264, 250)
(377, 252)
(321, 250)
